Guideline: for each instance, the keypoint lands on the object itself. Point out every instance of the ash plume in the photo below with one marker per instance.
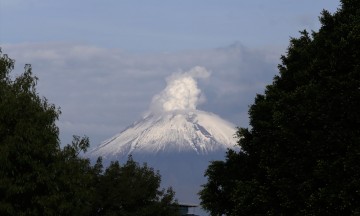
(181, 92)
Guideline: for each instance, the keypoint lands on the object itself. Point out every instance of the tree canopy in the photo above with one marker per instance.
(28, 144)
(133, 190)
(38, 177)
(301, 155)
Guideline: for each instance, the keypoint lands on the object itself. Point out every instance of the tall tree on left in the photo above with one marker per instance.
(29, 145)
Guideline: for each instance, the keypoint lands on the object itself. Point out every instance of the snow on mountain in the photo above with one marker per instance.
(173, 131)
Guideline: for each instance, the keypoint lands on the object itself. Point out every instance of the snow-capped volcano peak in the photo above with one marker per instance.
(173, 124)
(174, 131)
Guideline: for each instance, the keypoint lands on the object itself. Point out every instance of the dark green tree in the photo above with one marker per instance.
(77, 179)
(28, 144)
(37, 177)
(302, 154)
(133, 190)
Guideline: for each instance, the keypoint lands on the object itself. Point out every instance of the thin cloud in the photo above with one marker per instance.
(101, 91)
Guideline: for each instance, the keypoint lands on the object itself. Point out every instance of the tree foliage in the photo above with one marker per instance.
(29, 144)
(38, 177)
(302, 153)
(133, 190)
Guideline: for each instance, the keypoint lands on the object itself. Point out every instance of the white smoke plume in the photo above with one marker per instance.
(181, 91)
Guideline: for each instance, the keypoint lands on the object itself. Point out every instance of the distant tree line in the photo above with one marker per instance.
(301, 155)
(38, 177)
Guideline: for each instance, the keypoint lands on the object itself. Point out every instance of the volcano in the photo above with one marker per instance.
(178, 131)
(179, 144)
(174, 137)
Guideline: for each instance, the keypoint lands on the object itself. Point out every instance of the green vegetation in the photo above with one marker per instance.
(302, 154)
(37, 177)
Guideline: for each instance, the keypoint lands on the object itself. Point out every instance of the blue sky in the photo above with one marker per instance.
(102, 61)
(159, 25)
